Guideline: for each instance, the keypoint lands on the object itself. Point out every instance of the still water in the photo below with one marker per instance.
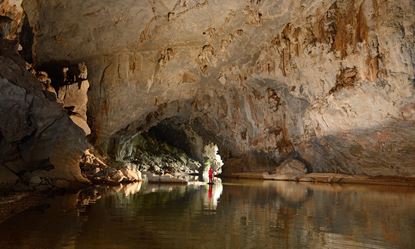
(234, 214)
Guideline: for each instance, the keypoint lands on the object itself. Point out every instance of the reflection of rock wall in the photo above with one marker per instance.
(331, 80)
(335, 215)
(249, 214)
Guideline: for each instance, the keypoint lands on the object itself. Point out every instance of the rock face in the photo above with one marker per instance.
(11, 15)
(291, 169)
(332, 80)
(98, 171)
(68, 85)
(35, 132)
(153, 178)
(75, 99)
(153, 155)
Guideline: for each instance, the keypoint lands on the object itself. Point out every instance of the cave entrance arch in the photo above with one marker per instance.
(183, 136)
(172, 145)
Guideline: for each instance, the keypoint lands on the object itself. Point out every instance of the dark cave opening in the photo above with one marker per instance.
(189, 138)
(64, 73)
(169, 147)
(179, 135)
(26, 38)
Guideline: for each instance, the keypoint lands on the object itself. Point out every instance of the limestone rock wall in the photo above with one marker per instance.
(11, 16)
(331, 81)
(36, 135)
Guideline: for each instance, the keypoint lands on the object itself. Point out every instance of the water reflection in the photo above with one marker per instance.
(212, 193)
(235, 214)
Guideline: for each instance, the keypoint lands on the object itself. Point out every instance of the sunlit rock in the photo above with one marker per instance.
(131, 172)
(74, 98)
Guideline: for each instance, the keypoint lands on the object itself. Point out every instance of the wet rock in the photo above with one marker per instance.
(153, 178)
(98, 171)
(117, 176)
(290, 169)
(131, 172)
(92, 166)
(91, 160)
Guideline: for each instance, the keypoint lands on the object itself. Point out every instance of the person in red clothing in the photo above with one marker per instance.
(210, 175)
(210, 192)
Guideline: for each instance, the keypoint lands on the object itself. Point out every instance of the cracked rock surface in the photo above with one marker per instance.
(36, 135)
(329, 82)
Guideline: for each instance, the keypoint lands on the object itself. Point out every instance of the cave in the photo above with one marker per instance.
(197, 103)
(182, 143)
(346, 112)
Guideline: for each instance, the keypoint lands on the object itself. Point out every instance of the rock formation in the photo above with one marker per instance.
(329, 83)
(37, 138)
(73, 94)
(11, 15)
(100, 173)
(290, 169)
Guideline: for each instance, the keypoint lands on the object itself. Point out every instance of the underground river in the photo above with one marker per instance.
(231, 214)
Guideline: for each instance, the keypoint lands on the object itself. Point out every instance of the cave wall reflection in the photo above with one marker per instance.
(235, 214)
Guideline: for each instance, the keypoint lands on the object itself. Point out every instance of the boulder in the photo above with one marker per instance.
(118, 176)
(131, 172)
(167, 178)
(98, 171)
(290, 169)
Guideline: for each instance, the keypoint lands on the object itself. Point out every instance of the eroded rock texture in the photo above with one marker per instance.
(11, 16)
(328, 82)
(37, 138)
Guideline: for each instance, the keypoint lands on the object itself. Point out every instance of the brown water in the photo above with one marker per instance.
(237, 214)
